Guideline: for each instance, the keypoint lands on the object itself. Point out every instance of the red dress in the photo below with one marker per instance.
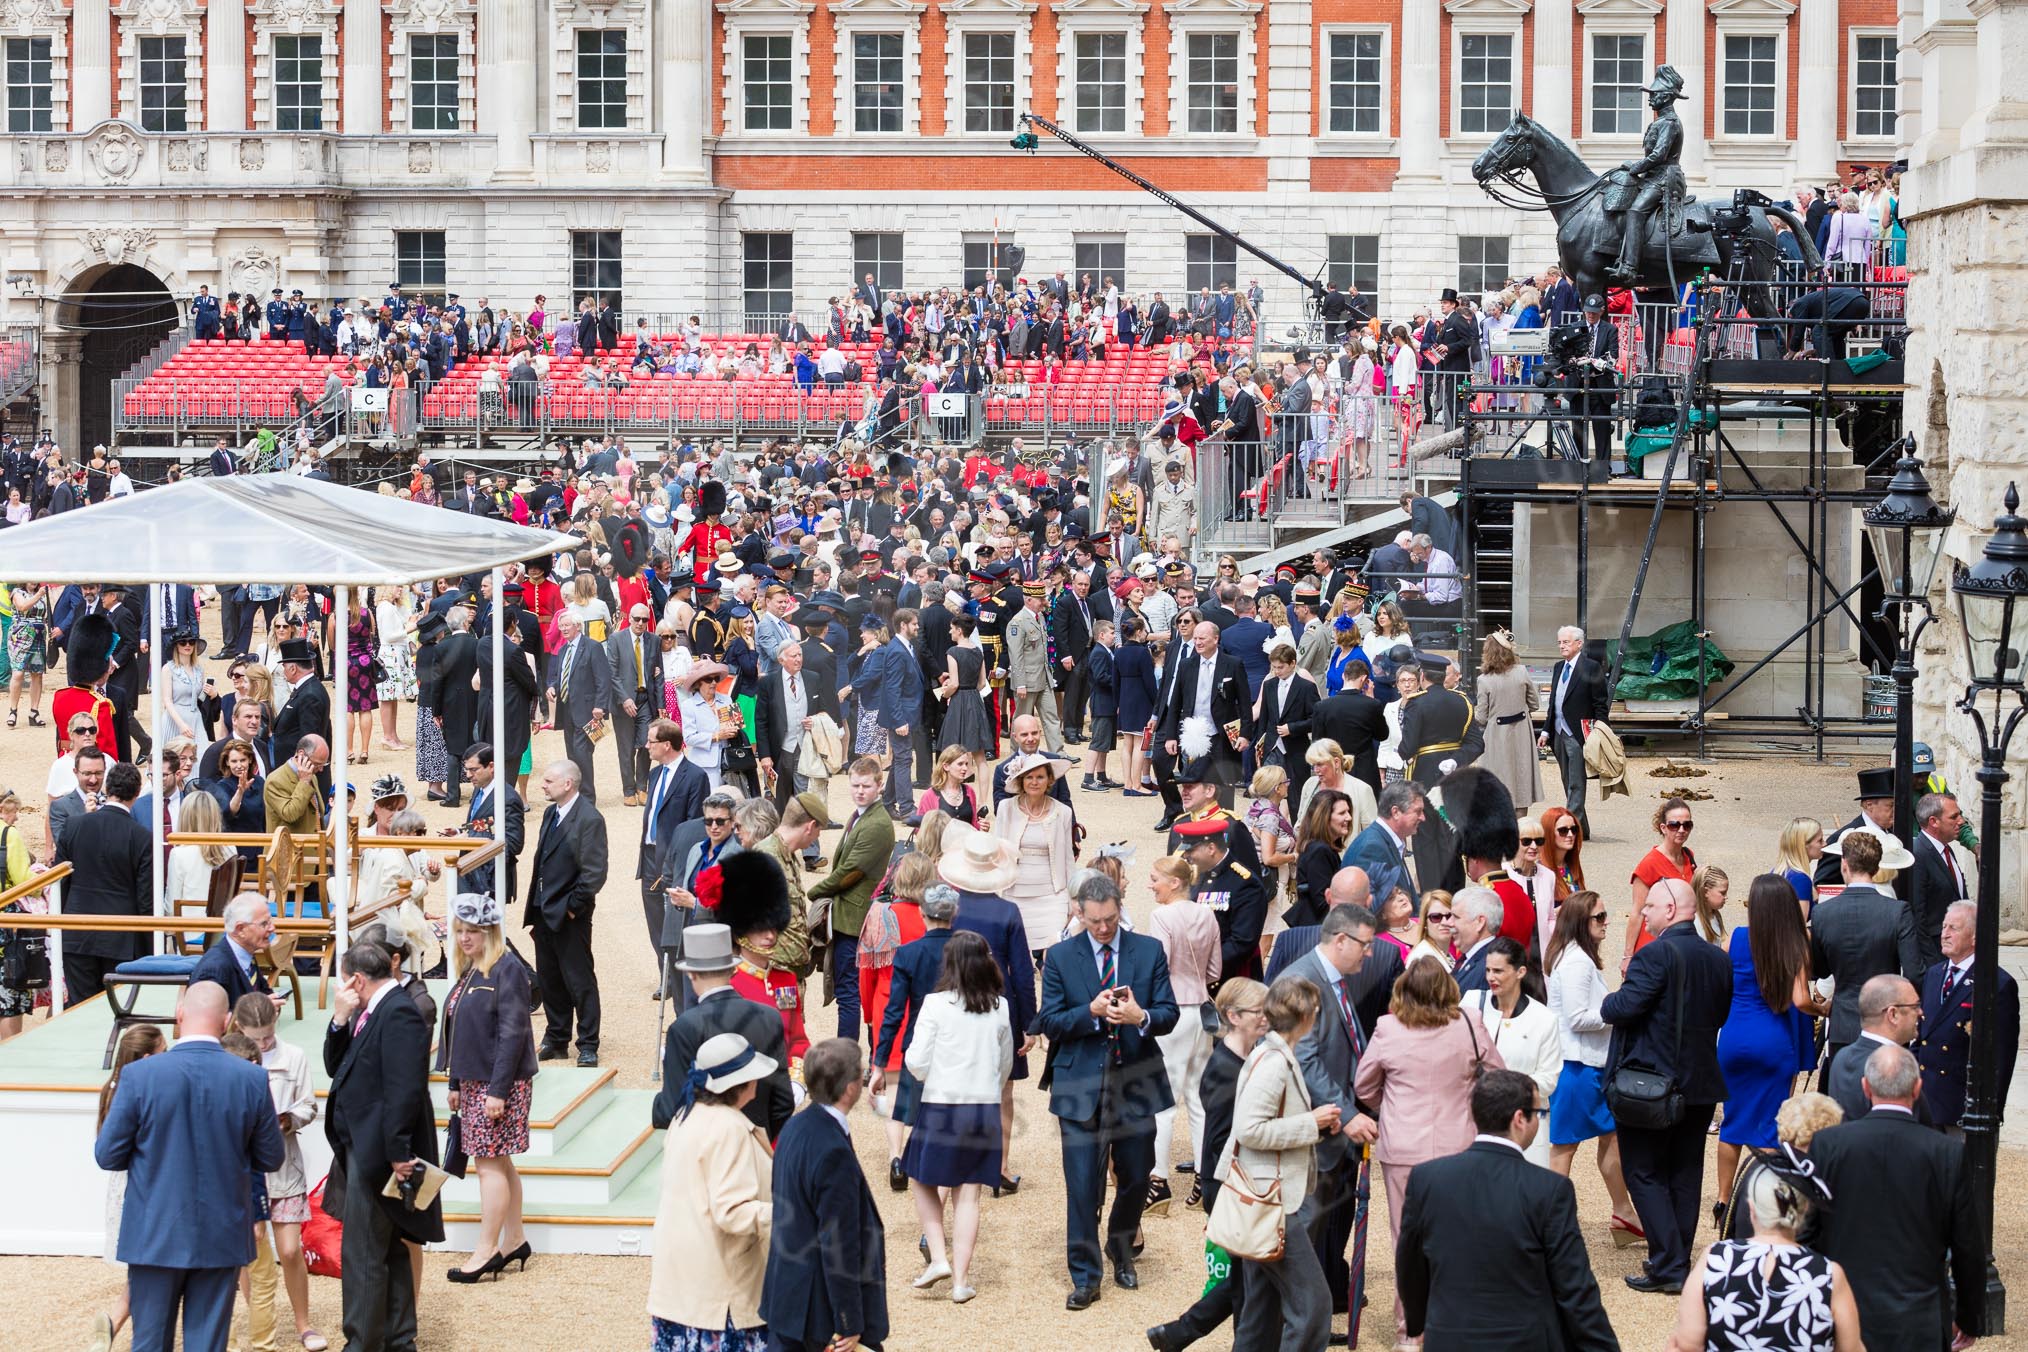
(1654, 867)
(779, 989)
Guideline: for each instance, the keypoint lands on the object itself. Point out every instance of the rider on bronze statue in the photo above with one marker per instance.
(1637, 188)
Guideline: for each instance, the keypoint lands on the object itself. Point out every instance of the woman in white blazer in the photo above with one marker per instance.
(1274, 1136)
(961, 1049)
(1523, 1030)
(1577, 1110)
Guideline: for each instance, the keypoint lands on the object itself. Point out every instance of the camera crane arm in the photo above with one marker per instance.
(1311, 287)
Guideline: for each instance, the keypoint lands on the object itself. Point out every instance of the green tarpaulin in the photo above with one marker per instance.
(1663, 665)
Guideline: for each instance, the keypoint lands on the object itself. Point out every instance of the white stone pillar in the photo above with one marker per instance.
(225, 68)
(1421, 69)
(363, 107)
(91, 63)
(1817, 91)
(1686, 21)
(507, 42)
(1553, 75)
(1292, 56)
(2000, 116)
(682, 51)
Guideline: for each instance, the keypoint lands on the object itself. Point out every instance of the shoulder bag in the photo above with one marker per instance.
(1245, 1222)
(1648, 1099)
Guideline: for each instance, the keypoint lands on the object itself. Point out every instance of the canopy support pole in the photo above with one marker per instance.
(341, 737)
(503, 773)
(158, 600)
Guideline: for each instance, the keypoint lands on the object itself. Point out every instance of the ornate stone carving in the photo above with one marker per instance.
(17, 15)
(421, 157)
(598, 157)
(25, 150)
(253, 272)
(307, 158)
(156, 13)
(56, 156)
(253, 153)
(117, 246)
(115, 152)
(294, 12)
(426, 13)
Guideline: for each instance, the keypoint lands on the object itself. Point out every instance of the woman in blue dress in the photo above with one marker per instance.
(1767, 1039)
(1134, 670)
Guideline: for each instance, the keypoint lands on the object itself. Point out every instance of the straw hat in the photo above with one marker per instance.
(1893, 854)
(727, 1061)
(976, 861)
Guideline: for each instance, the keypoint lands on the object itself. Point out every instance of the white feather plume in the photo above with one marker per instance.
(1196, 738)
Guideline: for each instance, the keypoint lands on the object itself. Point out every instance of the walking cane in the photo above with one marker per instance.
(1355, 1297)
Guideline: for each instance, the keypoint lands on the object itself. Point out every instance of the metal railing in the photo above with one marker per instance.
(178, 406)
(20, 348)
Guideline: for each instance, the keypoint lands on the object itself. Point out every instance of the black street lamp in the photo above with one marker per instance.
(1907, 529)
(1992, 600)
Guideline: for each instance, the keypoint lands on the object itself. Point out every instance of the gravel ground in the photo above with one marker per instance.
(579, 1302)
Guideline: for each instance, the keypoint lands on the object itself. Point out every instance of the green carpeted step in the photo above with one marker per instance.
(599, 1162)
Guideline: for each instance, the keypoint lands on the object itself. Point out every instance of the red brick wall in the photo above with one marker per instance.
(935, 99)
(1853, 14)
(1353, 175)
(1011, 172)
(1155, 72)
(823, 72)
(715, 63)
(1043, 95)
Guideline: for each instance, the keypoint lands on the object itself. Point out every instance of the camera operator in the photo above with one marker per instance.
(1826, 317)
(1594, 376)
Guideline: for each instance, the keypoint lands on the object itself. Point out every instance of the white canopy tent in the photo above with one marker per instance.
(268, 528)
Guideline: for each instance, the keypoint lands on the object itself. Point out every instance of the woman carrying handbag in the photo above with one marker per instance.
(1268, 1173)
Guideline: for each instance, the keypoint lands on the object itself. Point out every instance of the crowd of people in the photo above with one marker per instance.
(1379, 959)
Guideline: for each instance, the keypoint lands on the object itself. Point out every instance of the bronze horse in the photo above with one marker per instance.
(1741, 248)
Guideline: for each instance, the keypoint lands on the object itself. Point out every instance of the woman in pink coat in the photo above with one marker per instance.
(1418, 1071)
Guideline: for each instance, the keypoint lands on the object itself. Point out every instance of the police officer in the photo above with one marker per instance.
(204, 313)
(1232, 891)
(278, 316)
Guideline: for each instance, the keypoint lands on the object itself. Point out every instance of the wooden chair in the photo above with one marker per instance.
(278, 960)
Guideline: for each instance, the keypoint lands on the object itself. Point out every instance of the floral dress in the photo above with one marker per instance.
(1786, 1310)
(1265, 816)
(397, 656)
(28, 636)
(360, 688)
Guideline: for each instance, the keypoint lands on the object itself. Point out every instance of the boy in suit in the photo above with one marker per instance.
(1105, 999)
(826, 1282)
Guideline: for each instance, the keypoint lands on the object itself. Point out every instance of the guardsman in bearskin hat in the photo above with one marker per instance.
(1481, 814)
(87, 660)
(709, 533)
(748, 894)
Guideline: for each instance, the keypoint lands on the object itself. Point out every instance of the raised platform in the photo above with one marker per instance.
(590, 1177)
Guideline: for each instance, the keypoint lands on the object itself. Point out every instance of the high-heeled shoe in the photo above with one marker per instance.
(492, 1267)
(520, 1255)
(1626, 1234)
(1007, 1187)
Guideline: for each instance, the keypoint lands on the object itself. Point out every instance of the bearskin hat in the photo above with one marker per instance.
(1481, 811)
(753, 894)
(630, 549)
(89, 649)
(711, 498)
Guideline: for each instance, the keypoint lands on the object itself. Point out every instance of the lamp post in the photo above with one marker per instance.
(1907, 529)
(1992, 597)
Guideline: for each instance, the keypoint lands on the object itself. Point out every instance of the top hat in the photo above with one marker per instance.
(1876, 782)
(706, 948)
(1450, 294)
(300, 651)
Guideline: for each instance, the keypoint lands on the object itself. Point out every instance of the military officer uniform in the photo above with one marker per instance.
(1234, 893)
(1239, 842)
(1439, 730)
(278, 316)
(204, 313)
(707, 630)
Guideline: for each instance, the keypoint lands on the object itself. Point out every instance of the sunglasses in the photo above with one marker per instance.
(1679, 826)
(1598, 917)
(1566, 830)
(1438, 915)
(1526, 841)
(718, 821)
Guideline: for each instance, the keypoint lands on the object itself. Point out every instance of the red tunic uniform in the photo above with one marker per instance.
(779, 989)
(1517, 918)
(73, 700)
(702, 545)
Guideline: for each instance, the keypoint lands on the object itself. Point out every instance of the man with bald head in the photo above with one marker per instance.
(1665, 1018)
(1890, 1014)
(291, 795)
(1027, 742)
(189, 1127)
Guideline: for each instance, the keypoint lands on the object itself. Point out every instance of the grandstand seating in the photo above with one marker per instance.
(216, 381)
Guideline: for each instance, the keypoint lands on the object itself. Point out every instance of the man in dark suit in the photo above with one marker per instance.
(491, 798)
(1578, 697)
(1857, 935)
(570, 868)
(188, 1127)
(635, 658)
(112, 859)
(788, 700)
(126, 665)
(1391, 564)
(608, 325)
(1876, 805)
(519, 654)
(380, 1123)
(1288, 704)
(1890, 1012)
(1942, 870)
(1105, 999)
(1910, 1206)
(229, 963)
(826, 1282)
(1209, 685)
(452, 700)
(1601, 340)
(1384, 849)
(581, 687)
(1665, 1019)
(1329, 1055)
(708, 961)
(1355, 720)
(307, 709)
(1158, 322)
(1490, 1244)
(1943, 1042)
(676, 793)
(1070, 639)
(177, 611)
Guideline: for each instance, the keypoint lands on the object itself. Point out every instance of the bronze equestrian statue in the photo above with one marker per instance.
(1633, 227)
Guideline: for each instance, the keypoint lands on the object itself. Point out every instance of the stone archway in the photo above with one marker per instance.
(121, 311)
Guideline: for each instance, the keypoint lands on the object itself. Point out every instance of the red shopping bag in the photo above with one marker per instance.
(322, 1235)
